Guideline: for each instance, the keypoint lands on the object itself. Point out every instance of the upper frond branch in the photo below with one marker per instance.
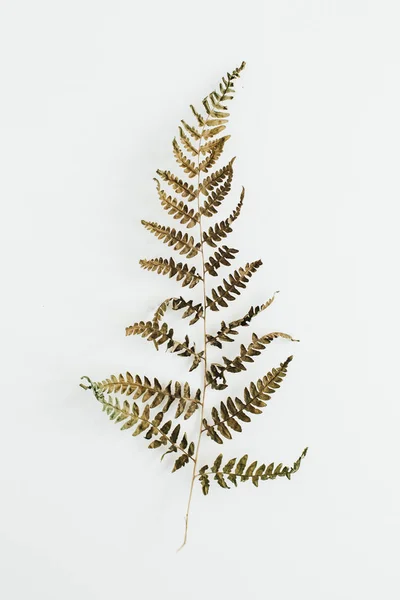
(227, 330)
(255, 397)
(238, 279)
(181, 242)
(241, 470)
(183, 188)
(215, 376)
(222, 257)
(165, 266)
(191, 310)
(162, 334)
(221, 230)
(178, 210)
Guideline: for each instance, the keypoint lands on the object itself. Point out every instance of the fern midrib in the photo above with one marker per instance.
(202, 242)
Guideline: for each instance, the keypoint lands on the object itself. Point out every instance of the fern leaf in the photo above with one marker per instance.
(216, 178)
(183, 161)
(195, 133)
(238, 279)
(244, 472)
(165, 266)
(215, 198)
(200, 120)
(181, 187)
(178, 210)
(131, 416)
(186, 143)
(146, 390)
(220, 230)
(181, 242)
(255, 397)
(222, 257)
(191, 310)
(215, 376)
(162, 334)
(215, 152)
(227, 330)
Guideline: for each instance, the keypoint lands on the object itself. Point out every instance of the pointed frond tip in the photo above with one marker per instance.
(161, 432)
(255, 397)
(215, 116)
(238, 470)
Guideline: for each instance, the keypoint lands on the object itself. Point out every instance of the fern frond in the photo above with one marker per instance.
(200, 120)
(231, 328)
(191, 310)
(240, 470)
(181, 242)
(145, 389)
(255, 397)
(183, 161)
(181, 187)
(178, 210)
(195, 133)
(222, 257)
(216, 178)
(220, 230)
(215, 198)
(215, 376)
(215, 152)
(165, 266)
(186, 143)
(209, 146)
(161, 334)
(238, 279)
(131, 416)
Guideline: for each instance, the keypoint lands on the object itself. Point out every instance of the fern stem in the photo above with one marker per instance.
(203, 263)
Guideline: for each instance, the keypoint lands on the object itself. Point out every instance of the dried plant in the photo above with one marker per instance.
(197, 151)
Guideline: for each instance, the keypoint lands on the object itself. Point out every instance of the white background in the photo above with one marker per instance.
(92, 93)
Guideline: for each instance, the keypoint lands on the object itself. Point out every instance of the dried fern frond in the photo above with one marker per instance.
(199, 191)
(254, 398)
(240, 470)
(143, 388)
(215, 376)
(131, 416)
(165, 266)
(222, 257)
(221, 230)
(231, 328)
(181, 242)
(238, 279)
(179, 210)
(163, 334)
(191, 310)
